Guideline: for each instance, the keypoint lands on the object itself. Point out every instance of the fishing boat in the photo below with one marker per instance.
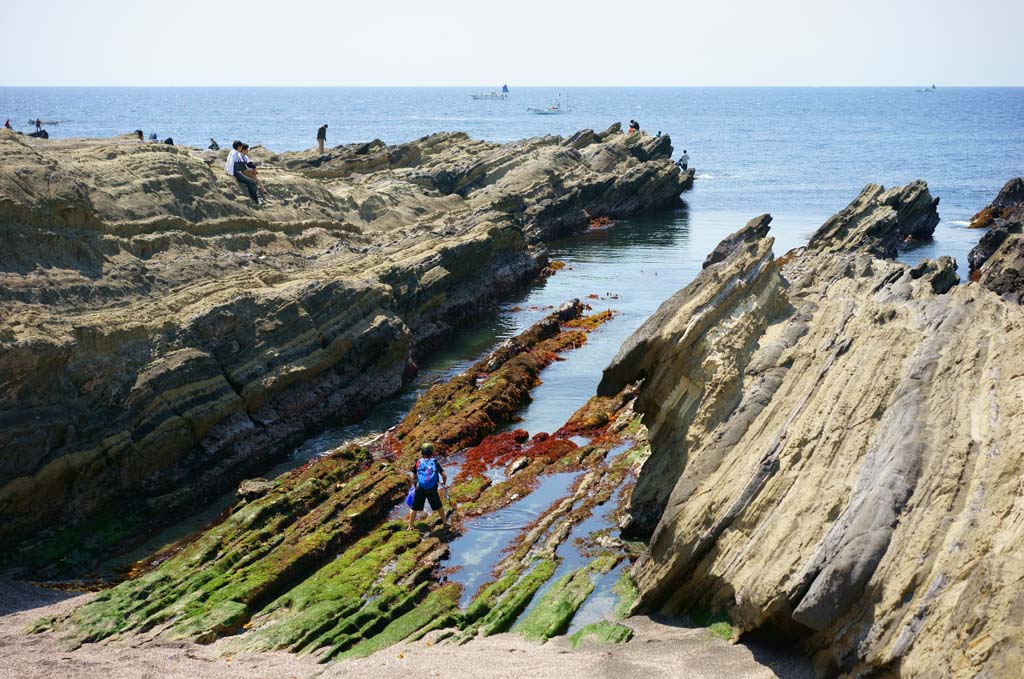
(927, 89)
(502, 95)
(553, 110)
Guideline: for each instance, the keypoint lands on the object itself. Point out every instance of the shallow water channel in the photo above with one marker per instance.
(630, 267)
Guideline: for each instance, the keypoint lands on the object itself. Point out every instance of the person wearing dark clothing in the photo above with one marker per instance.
(138, 133)
(236, 167)
(634, 126)
(321, 137)
(428, 475)
(169, 141)
(39, 124)
(7, 125)
(214, 146)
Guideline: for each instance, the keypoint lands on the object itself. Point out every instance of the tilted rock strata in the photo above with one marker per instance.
(307, 562)
(160, 338)
(880, 221)
(836, 455)
(997, 261)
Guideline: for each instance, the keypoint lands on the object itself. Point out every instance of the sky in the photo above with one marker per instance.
(519, 42)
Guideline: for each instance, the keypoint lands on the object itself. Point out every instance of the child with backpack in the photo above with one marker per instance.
(427, 476)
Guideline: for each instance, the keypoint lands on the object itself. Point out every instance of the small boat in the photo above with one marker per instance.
(502, 95)
(553, 110)
(927, 89)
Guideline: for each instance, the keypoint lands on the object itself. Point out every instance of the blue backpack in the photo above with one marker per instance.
(426, 474)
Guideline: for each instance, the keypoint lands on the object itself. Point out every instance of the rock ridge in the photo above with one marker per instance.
(834, 455)
(161, 339)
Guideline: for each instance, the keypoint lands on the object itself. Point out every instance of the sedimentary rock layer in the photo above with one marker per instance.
(836, 450)
(160, 338)
(308, 562)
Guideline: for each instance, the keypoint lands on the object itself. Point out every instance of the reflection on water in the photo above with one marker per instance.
(479, 549)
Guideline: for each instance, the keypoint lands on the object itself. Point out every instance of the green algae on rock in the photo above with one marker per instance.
(604, 631)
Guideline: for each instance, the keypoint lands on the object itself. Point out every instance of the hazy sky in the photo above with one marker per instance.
(519, 42)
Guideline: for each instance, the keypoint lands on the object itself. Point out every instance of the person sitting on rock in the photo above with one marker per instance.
(7, 125)
(236, 167)
(251, 172)
(684, 161)
(214, 146)
(634, 126)
(427, 475)
(139, 135)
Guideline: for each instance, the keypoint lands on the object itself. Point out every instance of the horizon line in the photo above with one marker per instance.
(364, 86)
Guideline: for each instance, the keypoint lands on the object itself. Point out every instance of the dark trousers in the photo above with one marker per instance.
(249, 184)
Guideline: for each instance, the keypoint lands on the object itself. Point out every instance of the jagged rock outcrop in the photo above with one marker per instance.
(160, 339)
(997, 261)
(836, 453)
(879, 221)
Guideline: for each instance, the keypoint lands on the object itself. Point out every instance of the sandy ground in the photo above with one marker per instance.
(657, 650)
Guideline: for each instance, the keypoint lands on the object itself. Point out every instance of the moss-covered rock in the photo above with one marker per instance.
(604, 632)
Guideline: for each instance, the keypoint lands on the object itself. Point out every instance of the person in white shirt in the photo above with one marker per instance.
(684, 161)
(236, 167)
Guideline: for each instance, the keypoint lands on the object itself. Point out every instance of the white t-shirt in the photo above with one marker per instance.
(233, 157)
(684, 159)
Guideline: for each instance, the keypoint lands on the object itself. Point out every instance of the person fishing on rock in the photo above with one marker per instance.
(427, 476)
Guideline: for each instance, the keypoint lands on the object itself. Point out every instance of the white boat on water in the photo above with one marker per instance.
(502, 95)
(927, 89)
(553, 110)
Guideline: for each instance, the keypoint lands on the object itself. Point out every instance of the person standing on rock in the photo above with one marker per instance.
(321, 137)
(236, 167)
(427, 475)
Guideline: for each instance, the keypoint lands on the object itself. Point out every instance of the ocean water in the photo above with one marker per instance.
(799, 153)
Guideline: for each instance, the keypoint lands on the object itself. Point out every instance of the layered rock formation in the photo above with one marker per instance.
(308, 562)
(160, 338)
(997, 262)
(836, 450)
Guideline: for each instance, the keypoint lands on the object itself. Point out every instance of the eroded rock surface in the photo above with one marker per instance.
(997, 262)
(836, 450)
(160, 339)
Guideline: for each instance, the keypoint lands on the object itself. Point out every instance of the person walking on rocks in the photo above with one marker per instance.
(321, 137)
(427, 475)
(236, 167)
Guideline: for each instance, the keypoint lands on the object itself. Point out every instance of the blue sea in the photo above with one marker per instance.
(799, 153)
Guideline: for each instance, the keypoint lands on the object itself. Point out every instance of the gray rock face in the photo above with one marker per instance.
(835, 455)
(880, 221)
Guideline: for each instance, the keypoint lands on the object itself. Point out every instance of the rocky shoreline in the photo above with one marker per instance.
(815, 451)
(835, 451)
(162, 339)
